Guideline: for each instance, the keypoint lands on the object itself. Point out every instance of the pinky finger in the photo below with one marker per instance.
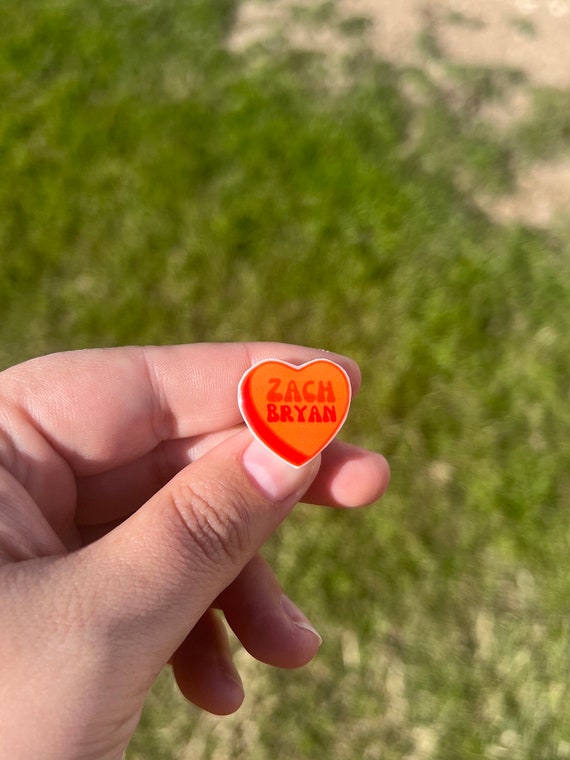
(204, 669)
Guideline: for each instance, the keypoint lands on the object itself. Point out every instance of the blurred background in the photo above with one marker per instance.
(388, 182)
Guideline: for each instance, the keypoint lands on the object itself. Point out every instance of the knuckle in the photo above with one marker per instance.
(214, 518)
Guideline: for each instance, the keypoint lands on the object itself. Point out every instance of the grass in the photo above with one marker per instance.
(157, 187)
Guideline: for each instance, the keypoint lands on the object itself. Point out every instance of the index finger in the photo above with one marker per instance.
(101, 408)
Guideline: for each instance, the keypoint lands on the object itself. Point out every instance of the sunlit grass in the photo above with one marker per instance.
(156, 187)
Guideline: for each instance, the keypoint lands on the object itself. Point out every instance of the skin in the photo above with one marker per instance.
(133, 503)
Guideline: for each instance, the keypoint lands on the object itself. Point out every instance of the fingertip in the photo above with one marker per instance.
(310, 639)
(282, 637)
(349, 477)
(204, 669)
(228, 695)
(221, 694)
(226, 686)
(362, 481)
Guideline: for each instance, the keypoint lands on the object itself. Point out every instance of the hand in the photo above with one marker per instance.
(132, 503)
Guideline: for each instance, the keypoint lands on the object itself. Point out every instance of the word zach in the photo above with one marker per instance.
(295, 410)
(305, 392)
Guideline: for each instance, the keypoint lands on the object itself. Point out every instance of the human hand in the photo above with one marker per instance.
(133, 502)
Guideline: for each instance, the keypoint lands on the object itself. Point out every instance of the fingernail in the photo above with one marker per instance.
(230, 688)
(298, 618)
(227, 667)
(274, 476)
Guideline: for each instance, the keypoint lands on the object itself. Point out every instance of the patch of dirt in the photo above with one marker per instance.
(542, 196)
(530, 36)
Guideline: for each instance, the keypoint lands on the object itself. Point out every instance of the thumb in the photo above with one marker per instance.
(152, 578)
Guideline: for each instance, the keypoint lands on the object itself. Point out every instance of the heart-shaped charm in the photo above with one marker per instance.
(295, 410)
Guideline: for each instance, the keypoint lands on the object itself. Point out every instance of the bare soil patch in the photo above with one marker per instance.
(530, 36)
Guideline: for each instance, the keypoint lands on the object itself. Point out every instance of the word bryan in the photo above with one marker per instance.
(295, 410)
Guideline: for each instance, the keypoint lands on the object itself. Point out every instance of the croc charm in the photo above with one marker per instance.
(295, 410)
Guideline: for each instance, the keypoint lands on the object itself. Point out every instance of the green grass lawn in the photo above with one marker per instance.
(156, 187)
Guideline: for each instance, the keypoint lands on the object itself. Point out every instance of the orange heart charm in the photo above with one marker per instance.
(295, 410)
